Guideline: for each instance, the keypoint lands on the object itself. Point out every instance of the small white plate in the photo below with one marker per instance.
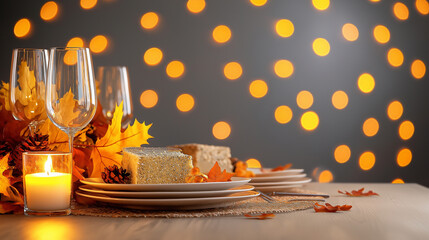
(173, 203)
(190, 194)
(289, 182)
(208, 186)
(277, 188)
(266, 172)
(277, 178)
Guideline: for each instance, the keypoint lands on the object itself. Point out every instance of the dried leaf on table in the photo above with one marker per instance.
(261, 217)
(216, 174)
(329, 208)
(359, 193)
(241, 170)
(4, 181)
(281, 168)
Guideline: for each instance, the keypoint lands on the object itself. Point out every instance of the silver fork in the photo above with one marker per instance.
(266, 197)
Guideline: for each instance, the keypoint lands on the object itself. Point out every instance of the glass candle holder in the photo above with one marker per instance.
(47, 183)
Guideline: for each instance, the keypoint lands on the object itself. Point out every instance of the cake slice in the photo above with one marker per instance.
(205, 156)
(149, 165)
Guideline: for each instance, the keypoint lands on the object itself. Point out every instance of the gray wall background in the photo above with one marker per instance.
(255, 133)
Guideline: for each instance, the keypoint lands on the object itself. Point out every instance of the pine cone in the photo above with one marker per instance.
(113, 174)
(31, 143)
(5, 148)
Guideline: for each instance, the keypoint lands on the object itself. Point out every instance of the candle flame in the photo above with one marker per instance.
(48, 165)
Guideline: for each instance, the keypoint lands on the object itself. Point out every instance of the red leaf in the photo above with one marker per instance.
(359, 193)
(329, 208)
(263, 216)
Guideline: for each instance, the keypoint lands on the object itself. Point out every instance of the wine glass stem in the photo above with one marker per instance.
(71, 136)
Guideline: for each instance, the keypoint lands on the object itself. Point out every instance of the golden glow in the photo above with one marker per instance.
(422, 6)
(152, 56)
(175, 69)
(283, 114)
(395, 110)
(253, 163)
(395, 57)
(221, 34)
(309, 120)
(48, 165)
(149, 98)
(321, 4)
(49, 10)
(350, 32)
(342, 153)
(340, 100)
(221, 130)
(22, 28)
(321, 47)
(304, 99)
(370, 127)
(366, 83)
(366, 161)
(88, 4)
(98, 44)
(404, 157)
(400, 11)
(326, 176)
(398, 181)
(258, 3)
(258, 88)
(196, 6)
(75, 42)
(418, 69)
(185, 102)
(232, 70)
(283, 68)
(284, 28)
(381, 34)
(374, 0)
(406, 130)
(50, 229)
(149, 20)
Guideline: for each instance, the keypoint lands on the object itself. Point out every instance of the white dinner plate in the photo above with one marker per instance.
(285, 188)
(277, 178)
(207, 186)
(173, 203)
(189, 194)
(288, 182)
(266, 172)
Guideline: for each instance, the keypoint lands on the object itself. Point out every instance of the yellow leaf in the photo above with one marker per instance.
(58, 140)
(4, 93)
(65, 111)
(4, 181)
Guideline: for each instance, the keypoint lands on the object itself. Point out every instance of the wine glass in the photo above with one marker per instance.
(71, 100)
(27, 85)
(114, 87)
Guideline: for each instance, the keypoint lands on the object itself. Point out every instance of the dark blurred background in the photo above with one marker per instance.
(184, 32)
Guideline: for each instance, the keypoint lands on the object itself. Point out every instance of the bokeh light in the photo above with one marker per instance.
(404, 157)
(175, 69)
(70, 58)
(321, 47)
(366, 83)
(258, 88)
(406, 130)
(366, 160)
(342, 153)
(395, 57)
(221, 130)
(258, 3)
(253, 163)
(321, 4)
(232, 70)
(221, 34)
(149, 98)
(326, 176)
(75, 42)
(395, 110)
(283, 68)
(283, 114)
(98, 44)
(400, 11)
(22, 28)
(49, 11)
(381, 34)
(149, 20)
(284, 28)
(196, 6)
(422, 6)
(88, 4)
(350, 32)
(304, 99)
(152, 56)
(340, 100)
(398, 181)
(370, 127)
(309, 120)
(418, 69)
(185, 102)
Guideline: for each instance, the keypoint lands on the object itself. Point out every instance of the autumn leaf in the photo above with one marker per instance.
(263, 216)
(58, 140)
(196, 176)
(282, 168)
(241, 170)
(359, 193)
(11, 201)
(4, 94)
(4, 181)
(66, 110)
(216, 174)
(329, 208)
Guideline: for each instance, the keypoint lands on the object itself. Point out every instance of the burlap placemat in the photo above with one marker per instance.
(252, 206)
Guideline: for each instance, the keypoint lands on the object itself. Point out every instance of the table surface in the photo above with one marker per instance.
(400, 212)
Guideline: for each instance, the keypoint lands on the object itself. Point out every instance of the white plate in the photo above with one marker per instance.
(277, 178)
(173, 203)
(208, 186)
(277, 188)
(190, 194)
(267, 172)
(289, 182)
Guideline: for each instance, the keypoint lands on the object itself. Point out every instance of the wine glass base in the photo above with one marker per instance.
(64, 212)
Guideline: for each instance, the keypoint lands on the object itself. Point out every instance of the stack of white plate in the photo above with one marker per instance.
(177, 196)
(278, 181)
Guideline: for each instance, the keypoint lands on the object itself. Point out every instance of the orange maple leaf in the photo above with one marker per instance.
(216, 174)
(329, 208)
(359, 193)
(4, 181)
(282, 168)
(261, 217)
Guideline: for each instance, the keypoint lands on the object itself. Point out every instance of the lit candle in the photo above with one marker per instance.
(49, 190)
